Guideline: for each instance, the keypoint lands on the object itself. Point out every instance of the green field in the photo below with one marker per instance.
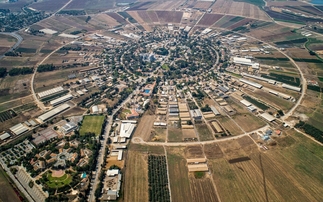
(57, 182)
(92, 124)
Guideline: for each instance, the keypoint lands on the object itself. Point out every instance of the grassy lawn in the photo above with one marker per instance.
(92, 124)
(57, 182)
(204, 132)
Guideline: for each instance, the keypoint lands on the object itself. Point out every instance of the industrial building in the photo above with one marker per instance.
(196, 114)
(127, 128)
(289, 87)
(112, 190)
(254, 84)
(68, 127)
(50, 92)
(61, 99)
(18, 129)
(4, 136)
(245, 61)
(53, 112)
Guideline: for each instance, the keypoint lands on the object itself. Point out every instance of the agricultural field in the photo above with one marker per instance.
(92, 6)
(175, 134)
(209, 19)
(144, 127)
(158, 134)
(169, 16)
(157, 178)
(204, 132)
(48, 5)
(6, 42)
(202, 189)
(6, 115)
(7, 193)
(92, 124)
(178, 175)
(230, 126)
(284, 170)
(12, 87)
(136, 183)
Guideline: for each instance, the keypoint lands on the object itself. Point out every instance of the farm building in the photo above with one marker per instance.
(223, 88)
(160, 124)
(127, 128)
(61, 99)
(217, 127)
(4, 136)
(271, 81)
(214, 110)
(245, 103)
(289, 87)
(252, 108)
(196, 114)
(111, 192)
(254, 84)
(53, 112)
(18, 129)
(196, 160)
(50, 92)
(197, 167)
(228, 108)
(267, 117)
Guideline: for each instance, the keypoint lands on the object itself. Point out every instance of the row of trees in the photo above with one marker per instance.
(311, 130)
(157, 178)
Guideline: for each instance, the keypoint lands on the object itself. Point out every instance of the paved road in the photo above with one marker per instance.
(15, 35)
(138, 140)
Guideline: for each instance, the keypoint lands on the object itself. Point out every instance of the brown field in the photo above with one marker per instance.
(209, 19)
(7, 193)
(169, 16)
(166, 5)
(272, 32)
(136, 177)
(75, 111)
(12, 87)
(202, 189)
(283, 173)
(191, 152)
(140, 20)
(300, 53)
(144, 16)
(230, 126)
(153, 16)
(118, 18)
(230, 7)
(202, 5)
(175, 134)
(248, 122)
(178, 175)
(144, 127)
(213, 151)
(113, 160)
(92, 6)
(241, 23)
(204, 132)
(6, 42)
(189, 133)
(48, 5)
(159, 134)
(15, 103)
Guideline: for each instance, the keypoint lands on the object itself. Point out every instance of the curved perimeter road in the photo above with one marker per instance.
(15, 35)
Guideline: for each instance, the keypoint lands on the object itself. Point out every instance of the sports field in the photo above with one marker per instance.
(92, 124)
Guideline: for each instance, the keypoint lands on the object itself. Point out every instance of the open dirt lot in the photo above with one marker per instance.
(193, 152)
(6, 42)
(175, 134)
(7, 193)
(213, 151)
(204, 132)
(144, 127)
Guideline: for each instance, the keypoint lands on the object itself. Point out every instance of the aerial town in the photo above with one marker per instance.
(161, 100)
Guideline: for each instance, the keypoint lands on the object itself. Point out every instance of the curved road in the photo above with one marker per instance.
(15, 35)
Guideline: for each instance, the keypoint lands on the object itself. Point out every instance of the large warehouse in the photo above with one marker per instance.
(18, 129)
(50, 92)
(127, 128)
(61, 100)
(254, 84)
(53, 112)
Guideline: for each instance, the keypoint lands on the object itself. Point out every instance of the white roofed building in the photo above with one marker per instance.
(127, 128)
